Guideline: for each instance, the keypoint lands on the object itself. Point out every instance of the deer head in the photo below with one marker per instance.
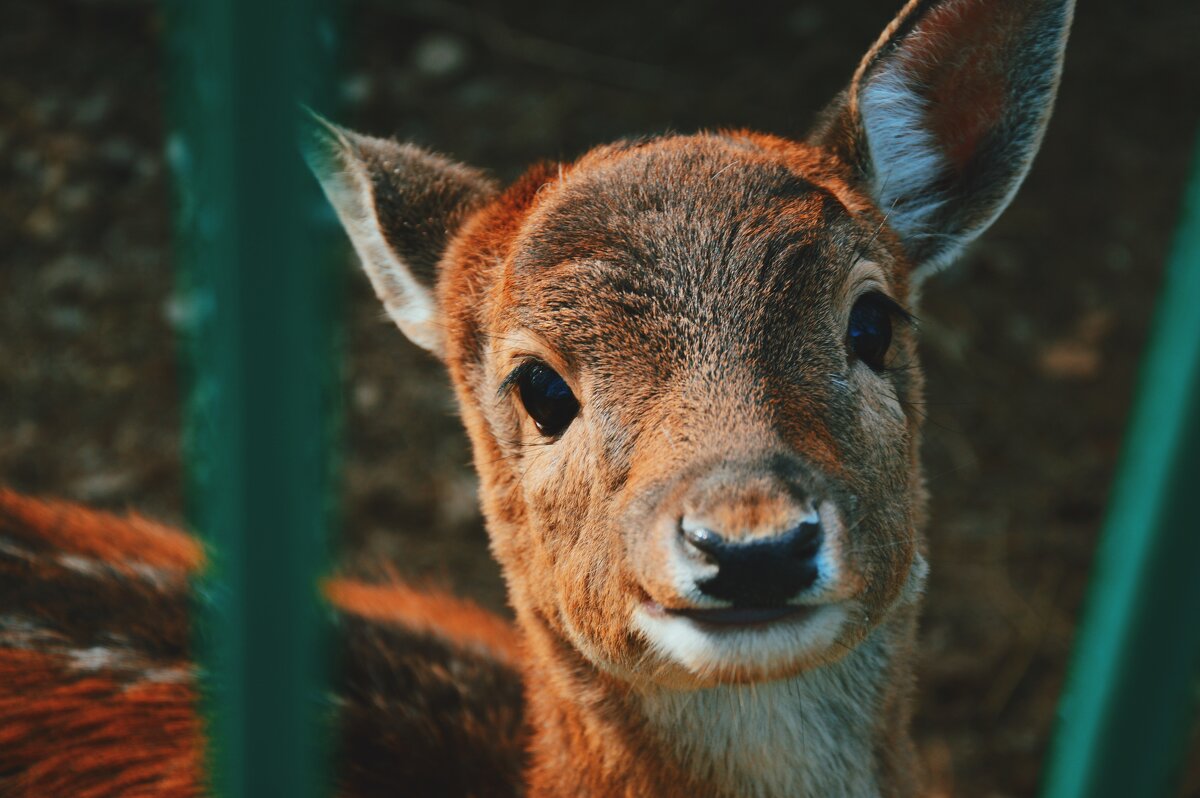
(687, 364)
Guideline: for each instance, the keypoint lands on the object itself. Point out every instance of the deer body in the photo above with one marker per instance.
(688, 371)
(99, 690)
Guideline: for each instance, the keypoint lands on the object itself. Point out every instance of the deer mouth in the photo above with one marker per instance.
(750, 641)
(741, 617)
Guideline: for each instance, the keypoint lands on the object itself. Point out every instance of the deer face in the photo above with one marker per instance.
(686, 363)
(688, 374)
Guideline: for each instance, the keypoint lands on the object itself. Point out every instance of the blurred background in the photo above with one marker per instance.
(1031, 342)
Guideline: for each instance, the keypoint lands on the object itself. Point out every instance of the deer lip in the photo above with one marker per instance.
(741, 616)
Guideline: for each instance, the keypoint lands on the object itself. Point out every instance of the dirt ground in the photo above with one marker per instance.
(1031, 342)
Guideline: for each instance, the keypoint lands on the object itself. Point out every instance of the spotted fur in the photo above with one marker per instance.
(98, 684)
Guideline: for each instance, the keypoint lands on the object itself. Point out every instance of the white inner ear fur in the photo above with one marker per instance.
(907, 162)
(905, 157)
(409, 303)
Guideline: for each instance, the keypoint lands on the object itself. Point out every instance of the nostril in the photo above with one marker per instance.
(705, 541)
(805, 540)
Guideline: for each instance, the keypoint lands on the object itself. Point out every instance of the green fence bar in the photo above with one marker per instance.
(254, 294)
(1131, 691)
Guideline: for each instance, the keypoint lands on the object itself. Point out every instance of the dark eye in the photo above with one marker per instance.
(870, 332)
(547, 398)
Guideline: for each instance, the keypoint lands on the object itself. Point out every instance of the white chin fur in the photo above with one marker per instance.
(704, 651)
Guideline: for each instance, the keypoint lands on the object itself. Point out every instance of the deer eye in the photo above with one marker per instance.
(870, 332)
(547, 398)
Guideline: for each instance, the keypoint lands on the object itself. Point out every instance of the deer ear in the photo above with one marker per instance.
(400, 206)
(945, 113)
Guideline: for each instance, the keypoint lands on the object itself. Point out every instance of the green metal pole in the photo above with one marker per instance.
(1132, 686)
(256, 300)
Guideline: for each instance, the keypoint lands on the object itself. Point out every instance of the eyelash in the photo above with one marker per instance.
(510, 382)
(545, 396)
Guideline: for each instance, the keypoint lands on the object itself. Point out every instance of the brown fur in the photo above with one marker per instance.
(62, 735)
(120, 542)
(570, 563)
(431, 611)
(98, 693)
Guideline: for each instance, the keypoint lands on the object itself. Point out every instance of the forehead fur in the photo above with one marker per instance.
(687, 246)
(653, 196)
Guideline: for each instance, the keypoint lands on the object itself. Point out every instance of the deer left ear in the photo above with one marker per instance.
(945, 113)
(400, 205)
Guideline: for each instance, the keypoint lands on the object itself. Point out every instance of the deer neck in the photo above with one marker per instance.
(836, 730)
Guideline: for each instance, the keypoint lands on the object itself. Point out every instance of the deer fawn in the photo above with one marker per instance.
(687, 366)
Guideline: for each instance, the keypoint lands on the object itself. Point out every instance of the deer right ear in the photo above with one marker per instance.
(400, 205)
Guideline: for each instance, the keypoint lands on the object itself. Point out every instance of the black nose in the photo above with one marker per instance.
(759, 572)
